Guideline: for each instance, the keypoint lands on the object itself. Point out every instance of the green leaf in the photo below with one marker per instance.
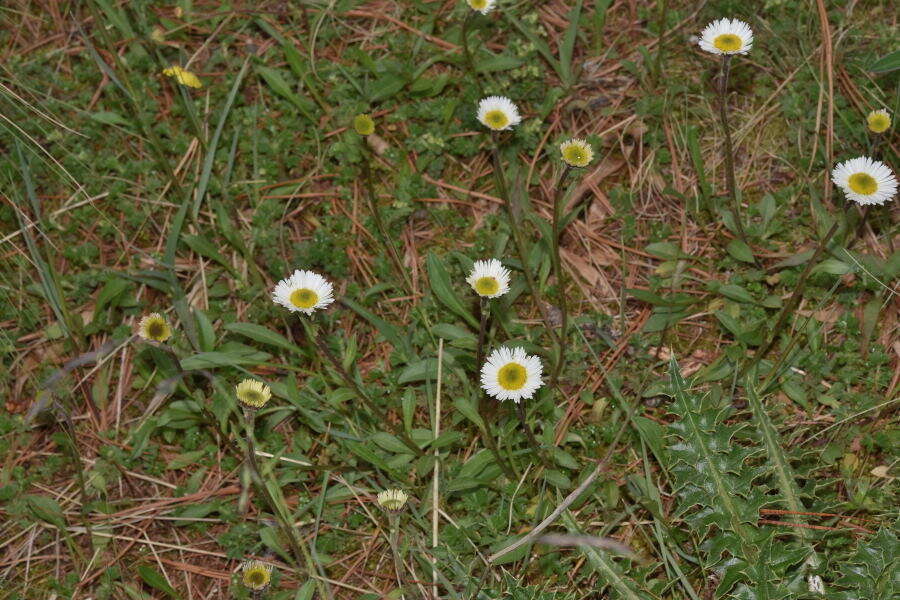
(739, 250)
(263, 335)
(419, 371)
(443, 289)
(389, 442)
(154, 579)
(202, 246)
(233, 358)
(887, 63)
(281, 87)
(666, 250)
(736, 292)
(47, 510)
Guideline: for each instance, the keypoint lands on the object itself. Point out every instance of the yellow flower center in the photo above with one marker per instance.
(304, 298)
(496, 119)
(511, 376)
(575, 155)
(879, 122)
(156, 330)
(863, 183)
(478, 4)
(728, 42)
(252, 397)
(256, 578)
(487, 286)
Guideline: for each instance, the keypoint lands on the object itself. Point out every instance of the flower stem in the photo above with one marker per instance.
(392, 540)
(484, 316)
(559, 196)
(467, 55)
(322, 344)
(729, 150)
(492, 443)
(793, 301)
(535, 445)
(503, 191)
(285, 523)
(379, 222)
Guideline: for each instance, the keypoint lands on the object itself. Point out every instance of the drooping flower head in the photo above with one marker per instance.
(510, 374)
(252, 393)
(482, 6)
(256, 575)
(182, 76)
(304, 291)
(727, 36)
(878, 121)
(576, 152)
(363, 124)
(154, 327)
(489, 278)
(865, 181)
(392, 500)
(498, 113)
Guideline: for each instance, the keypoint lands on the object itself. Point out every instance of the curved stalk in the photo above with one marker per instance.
(729, 150)
(558, 198)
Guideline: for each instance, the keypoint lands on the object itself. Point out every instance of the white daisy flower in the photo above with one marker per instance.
(393, 499)
(304, 291)
(727, 36)
(489, 278)
(498, 113)
(576, 152)
(482, 6)
(511, 374)
(878, 121)
(865, 181)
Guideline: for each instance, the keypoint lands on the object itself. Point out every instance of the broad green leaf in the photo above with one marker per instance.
(887, 63)
(443, 289)
(739, 250)
(46, 509)
(263, 335)
(154, 579)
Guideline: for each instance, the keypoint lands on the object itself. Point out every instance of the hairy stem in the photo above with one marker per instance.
(484, 316)
(322, 344)
(535, 445)
(791, 305)
(559, 196)
(521, 249)
(729, 150)
(467, 55)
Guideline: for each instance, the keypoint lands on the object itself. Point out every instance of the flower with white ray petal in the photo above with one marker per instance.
(727, 36)
(510, 374)
(489, 278)
(865, 180)
(304, 291)
(498, 113)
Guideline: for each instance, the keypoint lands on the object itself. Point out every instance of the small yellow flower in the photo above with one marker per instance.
(252, 393)
(392, 500)
(576, 153)
(879, 121)
(256, 575)
(154, 327)
(182, 76)
(363, 124)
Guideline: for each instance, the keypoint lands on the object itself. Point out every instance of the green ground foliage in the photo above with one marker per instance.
(712, 463)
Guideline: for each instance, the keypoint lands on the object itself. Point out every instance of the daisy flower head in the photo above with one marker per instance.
(498, 113)
(482, 6)
(304, 291)
(878, 121)
(256, 575)
(489, 278)
(727, 36)
(510, 374)
(363, 124)
(182, 76)
(576, 152)
(252, 393)
(865, 181)
(154, 327)
(392, 500)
